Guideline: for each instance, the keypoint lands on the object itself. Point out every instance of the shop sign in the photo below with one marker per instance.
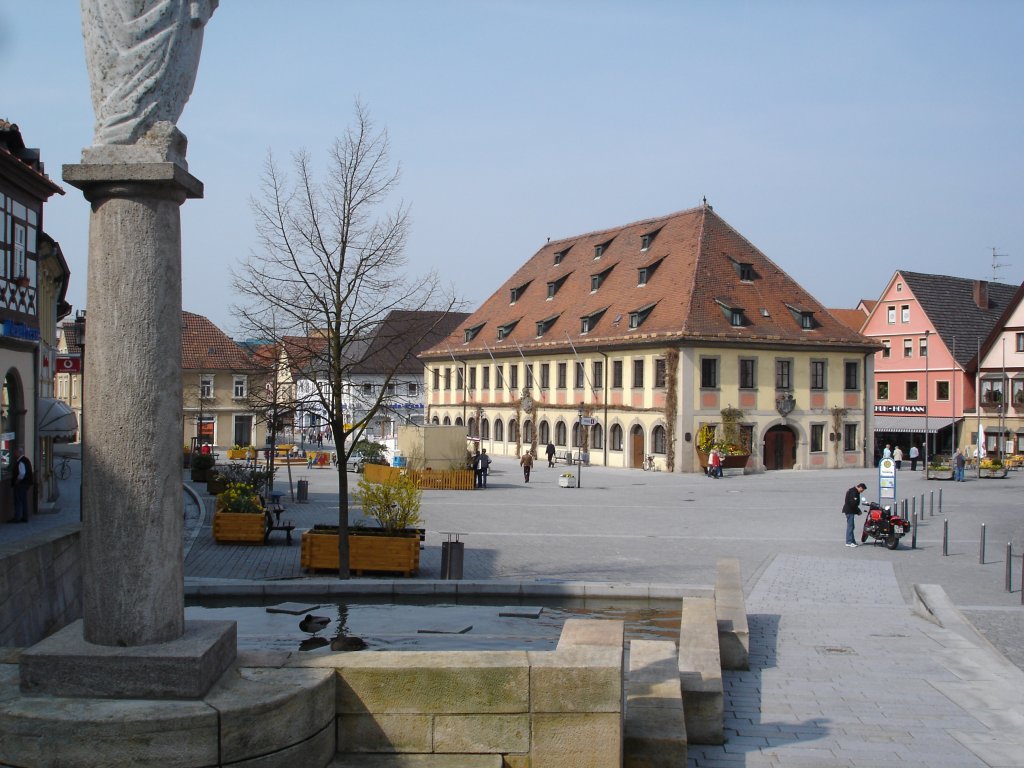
(900, 409)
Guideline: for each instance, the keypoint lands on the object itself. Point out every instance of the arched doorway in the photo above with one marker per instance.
(636, 446)
(779, 448)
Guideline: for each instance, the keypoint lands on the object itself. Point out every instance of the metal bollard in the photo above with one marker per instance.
(913, 505)
(913, 531)
(922, 505)
(931, 504)
(1009, 567)
(940, 501)
(981, 546)
(945, 537)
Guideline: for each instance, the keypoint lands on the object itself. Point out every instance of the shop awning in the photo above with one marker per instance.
(909, 424)
(56, 419)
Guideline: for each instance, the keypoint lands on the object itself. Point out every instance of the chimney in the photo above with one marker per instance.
(981, 293)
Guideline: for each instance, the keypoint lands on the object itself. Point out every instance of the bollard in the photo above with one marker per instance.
(940, 501)
(981, 546)
(945, 537)
(1022, 582)
(913, 505)
(913, 531)
(931, 504)
(1009, 567)
(922, 505)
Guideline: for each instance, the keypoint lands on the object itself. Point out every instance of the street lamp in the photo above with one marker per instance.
(927, 397)
(80, 333)
(579, 448)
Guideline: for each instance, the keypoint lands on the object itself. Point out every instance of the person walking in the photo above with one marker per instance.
(716, 463)
(486, 465)
(914, 454)
(851, 508)
(478, 470)
(527, 464)
(21, 481)
(897, 456)
(550, 451)
(887, 452)
(959, 462)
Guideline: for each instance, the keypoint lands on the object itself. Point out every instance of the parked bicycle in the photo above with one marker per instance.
(64, 468)
(648, 464)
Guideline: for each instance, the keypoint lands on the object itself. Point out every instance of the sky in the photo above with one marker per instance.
(845, 140)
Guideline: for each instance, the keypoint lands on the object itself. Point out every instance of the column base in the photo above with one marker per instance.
(64, 664)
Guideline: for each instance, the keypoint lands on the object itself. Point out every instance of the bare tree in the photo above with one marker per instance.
(330, 268)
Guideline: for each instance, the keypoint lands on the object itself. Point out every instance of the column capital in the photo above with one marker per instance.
(99, 181)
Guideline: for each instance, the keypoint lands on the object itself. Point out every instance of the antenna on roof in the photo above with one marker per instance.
(997, 265)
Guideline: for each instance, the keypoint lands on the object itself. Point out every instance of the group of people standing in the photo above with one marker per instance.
(896, 454)
(481, 462)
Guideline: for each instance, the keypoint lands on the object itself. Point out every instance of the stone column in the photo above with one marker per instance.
(132, 504)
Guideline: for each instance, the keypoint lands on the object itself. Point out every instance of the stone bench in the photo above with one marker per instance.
(700, 671)
(731, 611)
(654, 729)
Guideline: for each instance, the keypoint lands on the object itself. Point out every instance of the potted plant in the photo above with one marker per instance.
(939, 468)
(394, 546)
(727, 439)
(239, 517)
(567, 480)
(201, 464)
(216, 482)
(993, 468)
(237, 452)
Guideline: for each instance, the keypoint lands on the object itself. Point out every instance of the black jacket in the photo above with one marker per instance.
(851, 505)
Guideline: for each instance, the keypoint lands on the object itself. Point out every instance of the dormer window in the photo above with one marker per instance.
(555, 285)
(598, 279)
(638, 316)
(805, 317)
(647, 239)
(471, 333)
(515, 294)
(744, 269)
(643, 274)
(588, 322)
(733, 314)
(544, 325)
(560, 255)
(505, 330)
(599, 250)
(806, 320)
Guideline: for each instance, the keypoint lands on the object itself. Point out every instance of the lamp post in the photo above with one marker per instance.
(579, 449)
(80, 332)
(927, 397)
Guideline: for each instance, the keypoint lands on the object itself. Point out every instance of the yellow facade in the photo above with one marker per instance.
(649, 401)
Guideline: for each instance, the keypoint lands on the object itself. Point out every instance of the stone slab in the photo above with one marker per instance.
(416, 761)
(605, 633)
(731, 609)
(523, 612)
(293, 609)
(64, 664)
(454, 629)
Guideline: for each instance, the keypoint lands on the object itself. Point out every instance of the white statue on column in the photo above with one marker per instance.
(142, 57)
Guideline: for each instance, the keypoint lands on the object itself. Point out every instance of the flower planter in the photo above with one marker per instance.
(215, 483)
(397, 553)
(939, 473)
(237, 455)
(994, 473)
(239, 527)
(737, 461)
(567, 482)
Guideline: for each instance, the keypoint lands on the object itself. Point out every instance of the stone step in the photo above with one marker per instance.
(655, 729)
(700, 671)
(363, 760)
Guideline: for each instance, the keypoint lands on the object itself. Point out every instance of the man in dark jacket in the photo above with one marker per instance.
(21, 480)
(851, 508)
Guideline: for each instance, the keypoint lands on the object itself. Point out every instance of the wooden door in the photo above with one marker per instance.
(779, 448)
(636, 445)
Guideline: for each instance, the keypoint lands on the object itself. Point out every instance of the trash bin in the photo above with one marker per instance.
(303, 494)
(452, 553)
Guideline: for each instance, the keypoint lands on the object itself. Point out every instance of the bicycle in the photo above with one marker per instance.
(64, 468)
(648, 464)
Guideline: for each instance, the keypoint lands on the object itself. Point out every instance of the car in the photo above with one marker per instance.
(357, 461)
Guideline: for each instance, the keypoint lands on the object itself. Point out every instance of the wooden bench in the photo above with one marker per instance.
(700, 672)
(655, 728)
(731, 612)
(273, 525)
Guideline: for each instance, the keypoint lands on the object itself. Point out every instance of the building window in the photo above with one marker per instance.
(513, 430)
(437, 378)
(1020, 342)
(807, 320)
(367, 389)
(817, 438)
(1018, 395)
(513, 376)
(499, 430)
(515, 294)
(560, 433)
(472, 378)
(598, 372)
(850, 437)
(595, 282)
(645, 241)
(206, 386)
(736, 317)
(851, 376)
(584, 325)
(562, 375)
(783, 374)
(881, 390)
(579, 375)
(392, 388)
(487, 377)
(658, 442)
(911, 390)
(886, 347)
(616, 437)
(659, 373)
(485, 429)
(544, 325)
(559, 255)
(942, 390)
(748, 373)
(642, 276)
(908, 347)
(447, 378)
(891, 315)
(460, 378)
(637, 317)
(817, 374)
(599, 250)
(545, 377)
(238, 389)
(746, 271)
(529, 375)
(499, 376)
(638, 373)
(905, 313)
(544, 432)
(616, 374)
(472, 332)
(991, 391)
(709, 373)
(923, 347)
(413, 388)
(576, 435)
(596, 436)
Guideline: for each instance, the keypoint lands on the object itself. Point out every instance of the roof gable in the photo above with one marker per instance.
(205, 347)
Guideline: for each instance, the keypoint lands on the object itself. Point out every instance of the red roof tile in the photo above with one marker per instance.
(205, 347)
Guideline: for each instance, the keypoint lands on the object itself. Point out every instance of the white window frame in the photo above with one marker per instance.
(206, 386)
(240, 387)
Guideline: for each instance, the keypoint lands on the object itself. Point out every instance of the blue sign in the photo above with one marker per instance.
(19, 331)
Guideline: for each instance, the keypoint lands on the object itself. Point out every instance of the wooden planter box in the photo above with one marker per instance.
(238, 455)
(392, 554)
(240, 528)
